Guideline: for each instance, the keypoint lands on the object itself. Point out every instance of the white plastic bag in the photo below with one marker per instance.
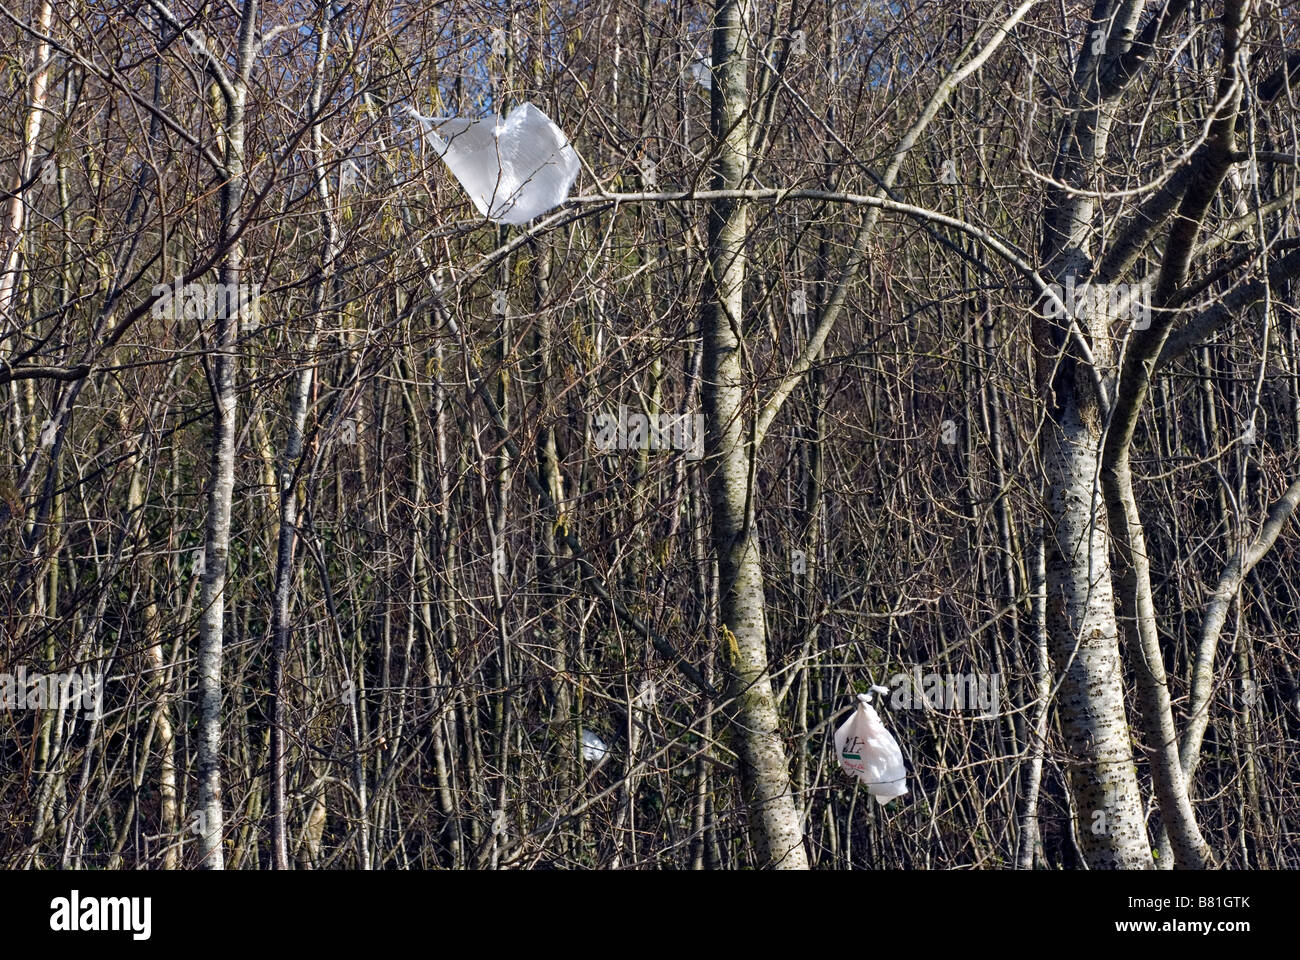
(701, 69)
(513, 169)
(869, 752)
(593, 748)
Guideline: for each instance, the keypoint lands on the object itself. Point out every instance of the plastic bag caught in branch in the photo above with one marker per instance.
(701, 69)
(514, 169)
(593, 748)
(869, 752)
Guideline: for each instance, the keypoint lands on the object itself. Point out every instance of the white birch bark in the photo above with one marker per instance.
(1083, 632)
(216, 540)
(774, 818)
(14, 219)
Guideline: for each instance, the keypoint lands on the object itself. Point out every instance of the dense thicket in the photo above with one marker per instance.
(438, 586)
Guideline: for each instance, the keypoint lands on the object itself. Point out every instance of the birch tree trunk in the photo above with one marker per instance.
(774, 818)
(216, 544)
(1083, 638)
(15, 208)
(1029, 844)
(1083, 633)
(300, 393)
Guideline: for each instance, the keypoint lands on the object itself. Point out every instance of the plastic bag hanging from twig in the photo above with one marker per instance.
(593, 748)
(869, 752)
(701, 69)
(514, 169)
